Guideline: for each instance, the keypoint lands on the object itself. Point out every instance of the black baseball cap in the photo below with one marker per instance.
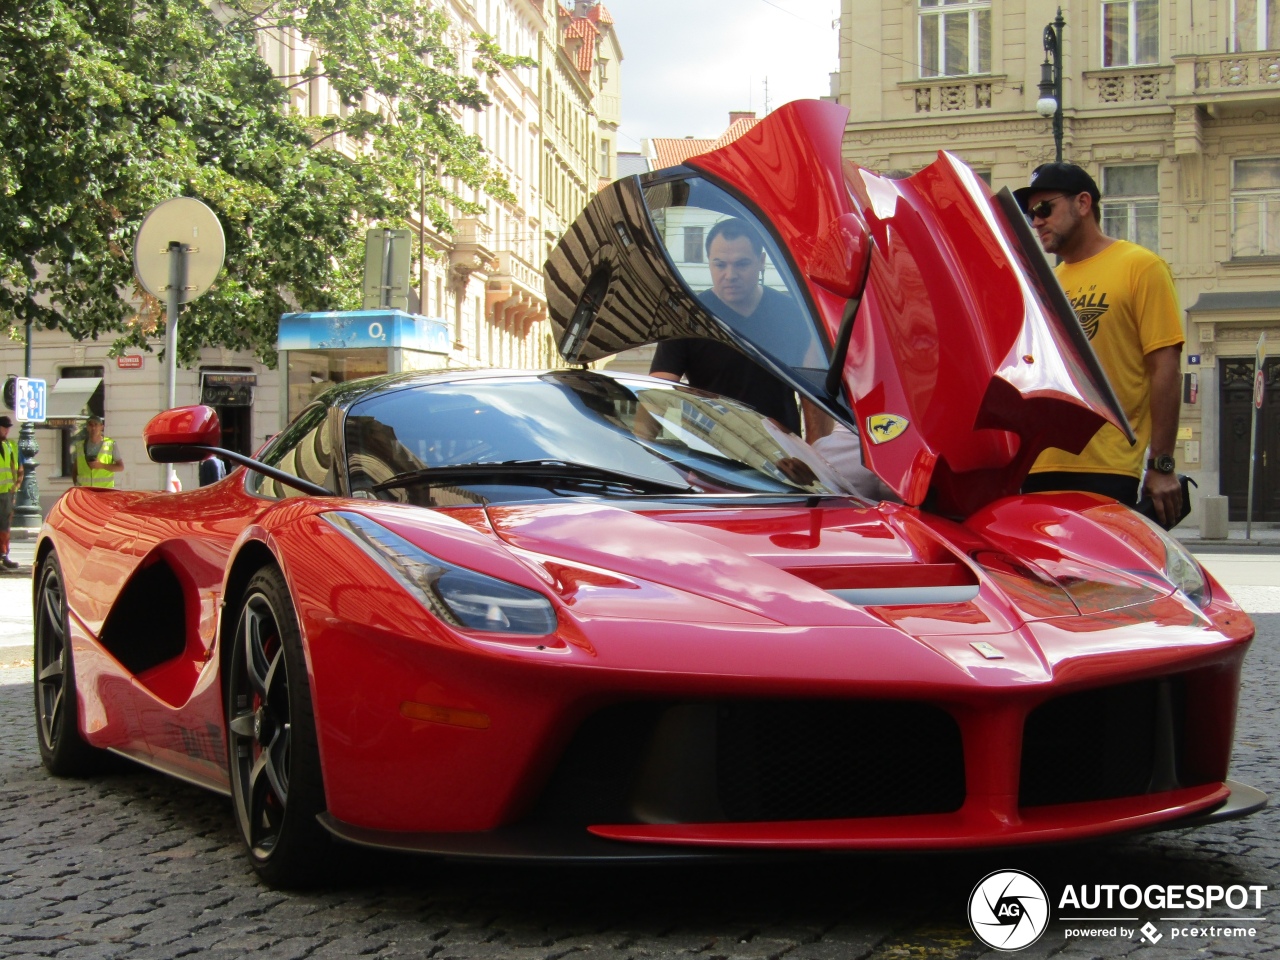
(1065, 178)
(5, 422)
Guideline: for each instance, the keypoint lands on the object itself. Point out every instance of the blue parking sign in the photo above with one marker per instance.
(29, 400)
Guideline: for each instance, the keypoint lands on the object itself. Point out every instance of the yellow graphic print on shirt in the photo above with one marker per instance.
(1126, 302)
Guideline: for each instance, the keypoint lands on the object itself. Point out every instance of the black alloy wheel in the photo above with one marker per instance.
(271, 739)
(63, 750)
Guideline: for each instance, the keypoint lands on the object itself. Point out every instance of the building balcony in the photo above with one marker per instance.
(1128, 87)
(608, 108)
(1207, 85)
(1227, 78)
(943, 95)
(471, 251)
(514, 298)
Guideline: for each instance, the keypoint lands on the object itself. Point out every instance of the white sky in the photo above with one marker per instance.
(687, 63)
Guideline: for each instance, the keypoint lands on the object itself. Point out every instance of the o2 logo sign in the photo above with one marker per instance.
(1008, 910)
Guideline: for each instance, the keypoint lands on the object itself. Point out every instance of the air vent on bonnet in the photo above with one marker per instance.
(894, 584)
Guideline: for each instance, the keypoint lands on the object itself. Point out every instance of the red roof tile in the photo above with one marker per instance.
(670, 152)
(736, 129)
(586, 31)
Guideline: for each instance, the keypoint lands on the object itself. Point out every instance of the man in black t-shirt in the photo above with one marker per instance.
(737, 261)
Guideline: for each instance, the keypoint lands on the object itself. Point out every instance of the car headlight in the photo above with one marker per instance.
(455, 594)
(1180, 567)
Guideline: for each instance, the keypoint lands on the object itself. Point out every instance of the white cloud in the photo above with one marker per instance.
(687, 63)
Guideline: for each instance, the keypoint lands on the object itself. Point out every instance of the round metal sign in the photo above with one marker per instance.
(189, 222)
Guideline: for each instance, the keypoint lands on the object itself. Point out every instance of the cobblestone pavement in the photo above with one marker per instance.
(136, 865)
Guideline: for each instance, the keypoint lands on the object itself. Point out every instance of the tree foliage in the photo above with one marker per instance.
(109, 107)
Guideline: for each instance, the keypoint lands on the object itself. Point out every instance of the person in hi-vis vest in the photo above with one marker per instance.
(10, 482)
(95, 457)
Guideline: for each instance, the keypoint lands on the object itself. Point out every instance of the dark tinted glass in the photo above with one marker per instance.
(662, 433)
(730, 261)
(303, 449)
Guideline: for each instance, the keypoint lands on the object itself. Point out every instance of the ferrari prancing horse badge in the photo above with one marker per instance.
(883, 427)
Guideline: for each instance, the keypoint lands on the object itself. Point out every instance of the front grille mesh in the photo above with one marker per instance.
(757, 761)
(829, 760)
(1103, 744)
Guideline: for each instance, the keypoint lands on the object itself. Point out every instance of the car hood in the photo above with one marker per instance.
(844, 564)
(936, 327)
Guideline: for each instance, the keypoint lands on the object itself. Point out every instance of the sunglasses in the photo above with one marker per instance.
(1042, 209)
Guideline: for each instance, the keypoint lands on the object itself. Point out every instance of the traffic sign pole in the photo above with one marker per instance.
(177, 283)
(27, 514)
(177, 254)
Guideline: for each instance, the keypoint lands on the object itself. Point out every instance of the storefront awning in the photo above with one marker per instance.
(1218, 301)
(362, 329)
(69, 400)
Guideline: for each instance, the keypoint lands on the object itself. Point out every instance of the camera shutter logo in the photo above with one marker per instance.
(1008, 910)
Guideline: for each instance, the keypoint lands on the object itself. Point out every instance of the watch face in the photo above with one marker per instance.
(1161, 464)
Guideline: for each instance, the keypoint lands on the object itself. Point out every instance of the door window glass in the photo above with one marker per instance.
(738, 273)
(304, 450)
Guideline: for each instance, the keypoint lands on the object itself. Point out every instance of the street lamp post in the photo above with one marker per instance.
(27, 514)
(1050, 102)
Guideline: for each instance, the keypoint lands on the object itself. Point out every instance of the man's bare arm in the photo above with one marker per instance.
(1165, 375)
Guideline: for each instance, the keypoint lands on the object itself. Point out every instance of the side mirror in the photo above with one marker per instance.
(176, 436)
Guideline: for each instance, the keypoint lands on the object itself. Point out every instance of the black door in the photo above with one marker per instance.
(236, 428)
(1236, 386)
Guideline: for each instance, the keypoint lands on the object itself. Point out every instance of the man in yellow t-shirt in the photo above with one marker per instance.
(1124, 297)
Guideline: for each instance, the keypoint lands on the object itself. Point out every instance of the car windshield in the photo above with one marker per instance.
(613, 436)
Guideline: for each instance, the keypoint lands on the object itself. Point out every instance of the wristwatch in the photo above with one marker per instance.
(1162, 464)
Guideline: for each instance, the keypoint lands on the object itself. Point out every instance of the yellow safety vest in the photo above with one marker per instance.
(9, 464)
(95, 478)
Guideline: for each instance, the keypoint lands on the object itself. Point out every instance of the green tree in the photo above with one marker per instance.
(108, 107)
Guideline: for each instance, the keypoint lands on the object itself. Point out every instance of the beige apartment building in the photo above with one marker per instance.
(551, 129)
(1175, 110)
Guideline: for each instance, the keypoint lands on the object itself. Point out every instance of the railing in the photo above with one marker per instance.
(1129, 85)
(949, 94)
(511, 264)
(1228, 73)
(608, 107)
(471, 230)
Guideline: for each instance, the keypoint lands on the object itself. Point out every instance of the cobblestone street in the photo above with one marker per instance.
(137, 865)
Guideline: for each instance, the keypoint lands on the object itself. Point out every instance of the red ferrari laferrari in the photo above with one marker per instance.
(569, 614)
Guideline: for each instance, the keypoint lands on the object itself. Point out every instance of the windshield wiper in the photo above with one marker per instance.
(530, 470)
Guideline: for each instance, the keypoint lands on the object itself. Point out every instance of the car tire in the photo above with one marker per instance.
(272, 752)
(63, 750)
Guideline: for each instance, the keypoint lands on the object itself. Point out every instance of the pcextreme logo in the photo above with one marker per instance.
(1008, 910)
(883, 427)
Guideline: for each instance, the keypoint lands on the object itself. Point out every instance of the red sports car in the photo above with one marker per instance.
(577, 615)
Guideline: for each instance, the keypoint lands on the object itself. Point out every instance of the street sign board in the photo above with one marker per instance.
(30, 400)
(192, 225)
(129, 361)
(1259, 388)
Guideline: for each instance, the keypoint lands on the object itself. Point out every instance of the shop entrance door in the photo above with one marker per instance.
(1235, 376)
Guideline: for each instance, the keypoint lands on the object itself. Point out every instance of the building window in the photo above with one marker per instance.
(1255, 25)
(1131, 210)
(1255, 207)
(1130, 32)
(604, 159)
(693, 244)
(955, 37)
